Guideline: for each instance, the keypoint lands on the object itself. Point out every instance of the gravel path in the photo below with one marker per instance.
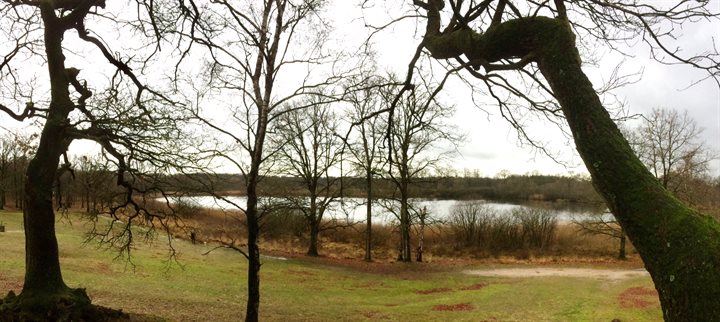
(610, 274)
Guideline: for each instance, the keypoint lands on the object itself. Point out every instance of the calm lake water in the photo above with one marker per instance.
(353, 209)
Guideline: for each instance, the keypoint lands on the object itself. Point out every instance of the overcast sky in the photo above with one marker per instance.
(492, 144)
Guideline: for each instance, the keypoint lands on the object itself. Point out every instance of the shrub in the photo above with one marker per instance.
(537, 227)
(186, 207)
(283, 223)
(486, 229)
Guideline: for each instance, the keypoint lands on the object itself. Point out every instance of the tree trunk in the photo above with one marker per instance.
(680, 246)
(621, 253)
(252, 311)
(368, 210)
(16, 189)
(421, 234)
(44, 295)
(405, 254)
(42, 264)
(314, 232)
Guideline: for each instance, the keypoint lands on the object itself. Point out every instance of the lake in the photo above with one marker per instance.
(353, 209)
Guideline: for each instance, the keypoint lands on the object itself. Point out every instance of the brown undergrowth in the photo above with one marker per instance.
(638, 298)
(288, 237)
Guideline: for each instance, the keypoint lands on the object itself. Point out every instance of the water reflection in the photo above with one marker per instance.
(354, 209)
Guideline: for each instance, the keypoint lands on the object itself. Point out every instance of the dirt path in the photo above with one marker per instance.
(609, 274)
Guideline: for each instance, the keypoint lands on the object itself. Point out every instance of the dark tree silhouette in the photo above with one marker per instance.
(131, 121)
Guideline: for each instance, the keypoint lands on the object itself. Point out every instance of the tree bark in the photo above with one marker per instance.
(314, 232)
(405, 254)
(252, 311)
(368, 210)
(680, 246)
(44, 294)
(42, 264)
(621, 253)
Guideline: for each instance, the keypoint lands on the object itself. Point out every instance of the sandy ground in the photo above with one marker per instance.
(609, 274)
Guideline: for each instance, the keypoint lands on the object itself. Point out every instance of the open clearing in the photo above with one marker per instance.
(212, 287)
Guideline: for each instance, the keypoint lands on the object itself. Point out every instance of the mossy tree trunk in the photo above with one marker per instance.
(680, 246)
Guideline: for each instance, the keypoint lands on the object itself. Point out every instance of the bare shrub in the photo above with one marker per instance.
(186, 207)
(283, 223)
(463, 221)
(504, 233)
(471, 223)
(537, 227)
(487, 229)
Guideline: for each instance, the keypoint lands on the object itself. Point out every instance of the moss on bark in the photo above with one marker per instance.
(680, 246)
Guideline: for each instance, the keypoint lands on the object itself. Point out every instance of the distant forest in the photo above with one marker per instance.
(510, 188)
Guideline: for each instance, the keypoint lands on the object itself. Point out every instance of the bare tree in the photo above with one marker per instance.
(668, 143)
(252, 47)
(15, 152)
(678, 244)
(309, 148)
(134, 123)
(368, 158)
(94, 183)
(415, 137)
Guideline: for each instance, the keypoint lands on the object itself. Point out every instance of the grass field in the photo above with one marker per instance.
(211, 287)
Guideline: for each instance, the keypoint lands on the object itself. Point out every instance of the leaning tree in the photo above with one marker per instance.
(133, 122)
(536, 41)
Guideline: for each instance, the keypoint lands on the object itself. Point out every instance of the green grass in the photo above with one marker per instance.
(212, 287)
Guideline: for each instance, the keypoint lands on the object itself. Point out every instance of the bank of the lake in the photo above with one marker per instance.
(354, 209)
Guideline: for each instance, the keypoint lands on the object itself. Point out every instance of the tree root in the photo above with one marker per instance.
(66, 305)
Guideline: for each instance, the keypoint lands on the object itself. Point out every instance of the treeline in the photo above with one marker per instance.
(509, 188)
(92, 186)
(14, 158)
(82, 182)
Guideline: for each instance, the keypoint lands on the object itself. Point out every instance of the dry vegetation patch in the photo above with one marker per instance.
(10, 284)
(638, 298)
(474, 287)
